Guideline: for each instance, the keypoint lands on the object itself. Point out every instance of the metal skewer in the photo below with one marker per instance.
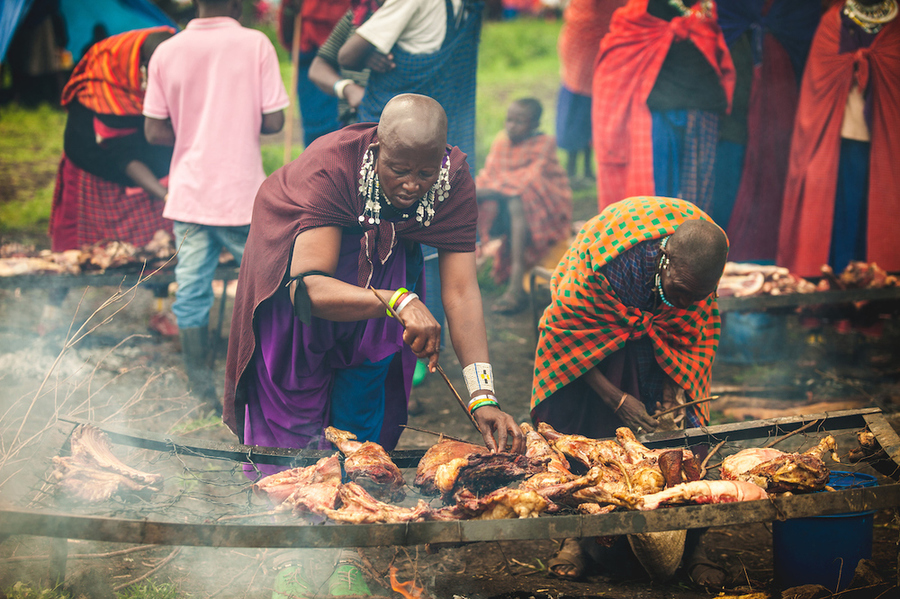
(465, 407)
(685, 405)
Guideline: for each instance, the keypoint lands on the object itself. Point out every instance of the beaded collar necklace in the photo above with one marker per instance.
(663, 265)
(871, 18)
(702, 8)
(374, 200)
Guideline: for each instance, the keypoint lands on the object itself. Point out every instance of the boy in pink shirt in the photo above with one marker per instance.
(211, 91)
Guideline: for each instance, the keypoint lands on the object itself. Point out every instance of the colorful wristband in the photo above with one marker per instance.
(481, 401)
(408, 298)
(479, 376)
(394, 299)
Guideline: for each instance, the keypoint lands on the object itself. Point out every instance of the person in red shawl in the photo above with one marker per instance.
(108, 183)
(663, 77)
(310, 345)
(842, 195)
(585, 22)
(524, 193)
(633, 326)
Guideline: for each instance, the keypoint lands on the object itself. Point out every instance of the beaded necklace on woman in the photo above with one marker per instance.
(663, 265)
(375, 202)
(871, 18)
(703, 8)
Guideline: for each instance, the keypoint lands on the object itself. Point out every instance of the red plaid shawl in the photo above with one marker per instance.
(631, 56)
(531, 171)
(585, 322)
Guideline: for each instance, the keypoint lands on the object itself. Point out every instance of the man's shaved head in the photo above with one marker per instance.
(412, 121)
(701, 248)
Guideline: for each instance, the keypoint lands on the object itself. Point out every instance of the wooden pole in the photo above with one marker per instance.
(293, 112)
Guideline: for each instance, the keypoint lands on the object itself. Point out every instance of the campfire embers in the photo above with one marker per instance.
(93, 474)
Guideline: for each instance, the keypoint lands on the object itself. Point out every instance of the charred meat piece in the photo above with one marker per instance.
(782, 472)
(280, 486)
(589, 452)
(369, 465)
(537, 447)
(358, 507)
(92, 473)
(704, 491)
(611, 495)
(483, 473)
(497, 505)
(437, 455)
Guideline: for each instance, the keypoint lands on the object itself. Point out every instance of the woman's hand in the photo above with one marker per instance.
(493, 420)
(422, 333)
(634, 415)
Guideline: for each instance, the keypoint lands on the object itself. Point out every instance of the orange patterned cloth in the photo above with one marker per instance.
(531, 171)
(586, 322)
(107, 80)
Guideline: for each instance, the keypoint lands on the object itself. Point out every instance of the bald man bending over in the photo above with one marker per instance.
(310, 345)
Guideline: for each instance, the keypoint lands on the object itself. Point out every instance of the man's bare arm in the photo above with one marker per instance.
(159, 131)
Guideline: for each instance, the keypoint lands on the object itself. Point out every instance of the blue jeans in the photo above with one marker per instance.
(199, 247)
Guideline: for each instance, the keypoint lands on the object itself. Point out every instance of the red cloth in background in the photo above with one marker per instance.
(808, 212)
(317, 19)
(585, 24)
(630, 59)
(88, 209)
(753, 230)
(531, 171)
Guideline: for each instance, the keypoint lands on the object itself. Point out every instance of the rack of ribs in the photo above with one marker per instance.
(369, 465)
(92, 473)
(779, 472)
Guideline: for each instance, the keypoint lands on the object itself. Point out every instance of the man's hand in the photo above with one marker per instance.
(354, 93)
(380, 63)
(634, 415)
(492, 421)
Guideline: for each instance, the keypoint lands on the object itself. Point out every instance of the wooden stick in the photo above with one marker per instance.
(424, 430)
(703, 469)
(465, 406)
(292, 112)
(790, 434)
(684, 405)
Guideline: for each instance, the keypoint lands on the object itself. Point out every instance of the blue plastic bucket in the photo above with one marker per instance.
(824, 549)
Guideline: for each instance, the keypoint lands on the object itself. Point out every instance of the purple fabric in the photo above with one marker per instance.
(291, 374)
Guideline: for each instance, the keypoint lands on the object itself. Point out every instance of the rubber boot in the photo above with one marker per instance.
(195, 350)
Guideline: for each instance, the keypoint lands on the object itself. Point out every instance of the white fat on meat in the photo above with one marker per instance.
(704, 491)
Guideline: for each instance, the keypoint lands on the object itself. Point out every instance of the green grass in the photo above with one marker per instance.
(31, 144)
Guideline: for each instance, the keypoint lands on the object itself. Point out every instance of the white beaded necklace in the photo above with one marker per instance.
(871, 18)
(702, 8)
(370, 191)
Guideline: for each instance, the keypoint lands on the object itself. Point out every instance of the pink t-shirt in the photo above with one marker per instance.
(215, 80)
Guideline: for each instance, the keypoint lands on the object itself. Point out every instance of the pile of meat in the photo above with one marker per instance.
(91, 473)
(475, 484)
(857, 275)
(16, 259)
(743, 280)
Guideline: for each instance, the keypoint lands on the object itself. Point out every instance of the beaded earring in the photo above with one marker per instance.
(663, 265)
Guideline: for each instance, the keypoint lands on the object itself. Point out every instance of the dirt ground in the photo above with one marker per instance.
(121, 375)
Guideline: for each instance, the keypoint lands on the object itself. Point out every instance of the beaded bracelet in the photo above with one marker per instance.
(406, 299)
(394, 299)
(481, 401)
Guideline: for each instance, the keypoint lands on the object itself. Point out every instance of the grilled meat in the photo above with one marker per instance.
(483, 473)
(589, 452)
(779, 472)
(92, 473)
(281, 487)
(437, 455)
(704, 491)
(369, 465)
(358, 507)
(537, 447)
(497, 505)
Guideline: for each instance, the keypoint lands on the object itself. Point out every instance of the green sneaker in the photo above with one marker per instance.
(347, 579)
(420, 372)
(291, 584)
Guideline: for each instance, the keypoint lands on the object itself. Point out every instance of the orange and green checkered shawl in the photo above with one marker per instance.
(586, 322)
(107, 80)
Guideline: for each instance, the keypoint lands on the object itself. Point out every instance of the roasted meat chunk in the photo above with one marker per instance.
(437, 455)
(779, 472)
(369, 465)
